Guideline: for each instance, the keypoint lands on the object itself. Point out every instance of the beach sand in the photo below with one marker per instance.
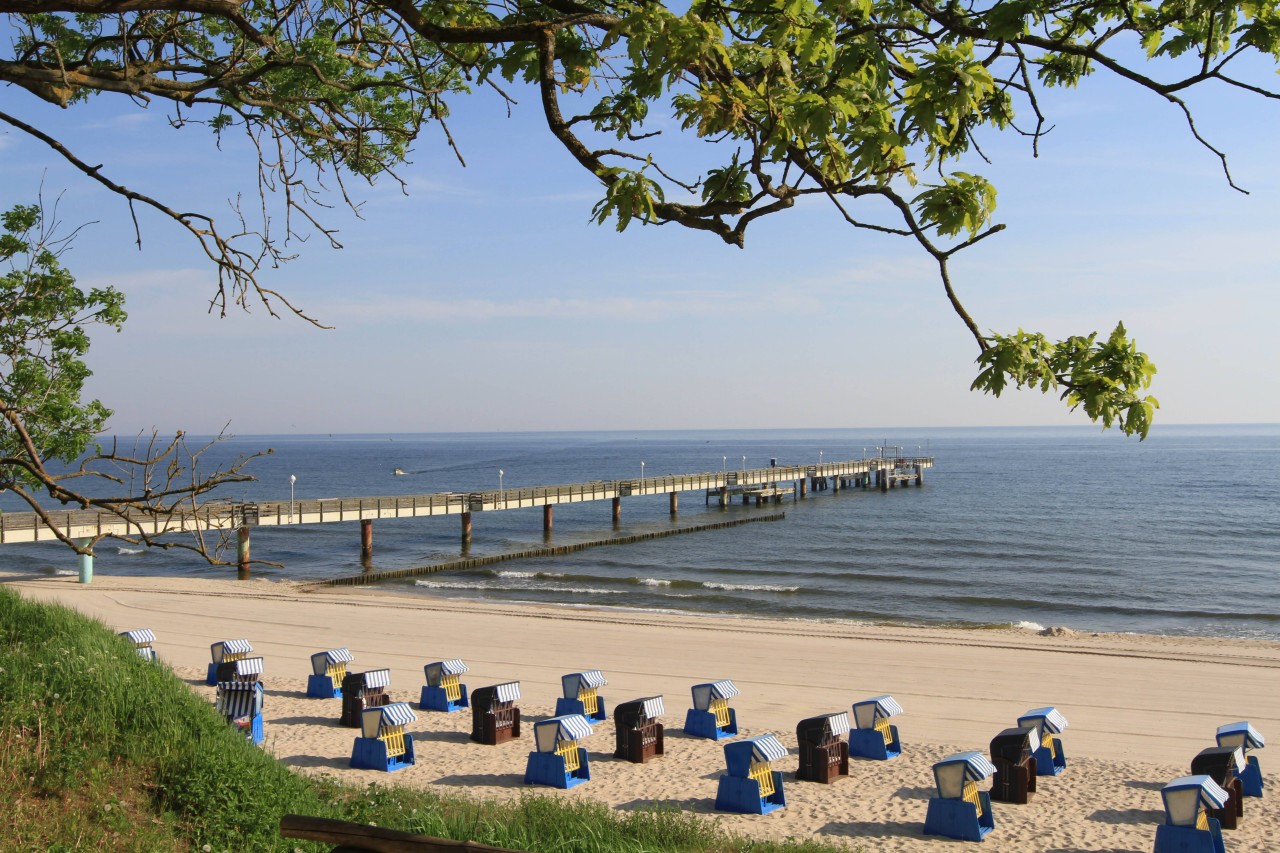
(1139, 707)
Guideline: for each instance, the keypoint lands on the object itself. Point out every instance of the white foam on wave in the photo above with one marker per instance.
(128, 552)
(1024, 625)
(568, 590)
(749, 587)
(510, 575)
(451, 585)
(653, 582)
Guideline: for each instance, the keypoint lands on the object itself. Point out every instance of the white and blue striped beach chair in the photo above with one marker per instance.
(444, 690)
(383, 743)
(223, 651)
(1247, 738)
(1188, 827)
(873, 736)
(961, 810)
(495, 718)
(638, 731)
(711, 717)
(142, 638)
(361, 690)
(752, 786)
(557, 759)
(581, 695)
(240, 702)
(328, 668)
(1050, 757)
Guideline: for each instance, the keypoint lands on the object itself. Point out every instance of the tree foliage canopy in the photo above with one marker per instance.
(872, 105)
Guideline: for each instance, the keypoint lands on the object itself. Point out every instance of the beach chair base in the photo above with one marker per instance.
(823, 764)
(437, 699)
(211, 677)
(321, 687)
(1013, 783)
(547, 768)
(574, 706)
(1188, 839)
(742, 796)
(1050, 763)
(1251, 778)
(703, 724)
(250, 727)
(640, 744)
(959, 819)
(869, 743)
(370, 753)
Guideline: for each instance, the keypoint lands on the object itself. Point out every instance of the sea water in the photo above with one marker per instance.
(1069, 527)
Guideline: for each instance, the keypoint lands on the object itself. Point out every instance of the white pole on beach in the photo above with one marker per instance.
(642, 471)
(724, 463)
(501, 494)
(293, 478)
(819, 457)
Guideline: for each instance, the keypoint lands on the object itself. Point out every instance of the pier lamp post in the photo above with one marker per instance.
(724, 463)
(293, 478)
(744, 463)
(502, 495)
(641, 469)
(819, 457)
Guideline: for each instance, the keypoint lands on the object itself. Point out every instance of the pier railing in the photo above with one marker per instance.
(224, 515)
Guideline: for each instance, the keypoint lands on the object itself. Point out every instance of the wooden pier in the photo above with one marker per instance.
(761, 485)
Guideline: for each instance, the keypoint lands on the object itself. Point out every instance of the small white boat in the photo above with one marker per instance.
(399, 472)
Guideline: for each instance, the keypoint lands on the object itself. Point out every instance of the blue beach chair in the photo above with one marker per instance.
(383, 743)
(581, 696)
(240, 702)
(223, 651)
(873, 736)
(1246, 737)
(961, 810)
(711, 717)
(444, 690)
(142, 638)
(557, 760)
(1187, 827)
(752, 786)
(1050, 757)
(327, 671)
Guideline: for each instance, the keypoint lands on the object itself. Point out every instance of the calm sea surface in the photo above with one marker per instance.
(1179, 534)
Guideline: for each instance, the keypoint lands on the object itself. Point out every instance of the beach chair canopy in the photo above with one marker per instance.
(139, 636)
(638, 712)
(549, 733)
(868, 712)
(321, 661)
(375, 678)
(373, 721)
(236, 699)
(248, 666)
(1048, 719)
(766, 747)
(1240, 734)
(436, 672)
(704, 693)
(828, 726)
(508, 691)
(1220, 762)
(222, 648)
(575, 682)
(952, 772)
(1185, 796)
(1015, 745)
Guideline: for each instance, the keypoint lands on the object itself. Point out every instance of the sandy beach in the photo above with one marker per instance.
(1139, 707)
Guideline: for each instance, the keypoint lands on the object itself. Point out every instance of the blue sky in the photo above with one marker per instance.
(487, 300)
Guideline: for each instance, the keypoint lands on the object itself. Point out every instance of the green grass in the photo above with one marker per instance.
(102, 751)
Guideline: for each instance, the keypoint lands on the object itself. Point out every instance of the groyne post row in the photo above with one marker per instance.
(549, 551)
(886, 470)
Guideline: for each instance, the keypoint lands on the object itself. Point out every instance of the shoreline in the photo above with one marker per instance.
(1139, 706)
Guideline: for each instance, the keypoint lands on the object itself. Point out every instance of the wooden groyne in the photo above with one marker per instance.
(533, 553)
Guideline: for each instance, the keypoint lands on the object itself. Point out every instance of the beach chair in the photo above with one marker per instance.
(142, 638)
(223, 651)
(752, 786)
(1248, 738)
(327, 671)
(1013, 756)
(1050, 757)
(824, 757)
(495, 718)
(1187, 827)
(961, 810)
(241, 669)
(363, 690)
(1224, 764)
(444, 691)
(383, 743)
(872, 735)
(557, 760)
(638, 734)
(711, 717)
(581, 696)
(240, 702)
